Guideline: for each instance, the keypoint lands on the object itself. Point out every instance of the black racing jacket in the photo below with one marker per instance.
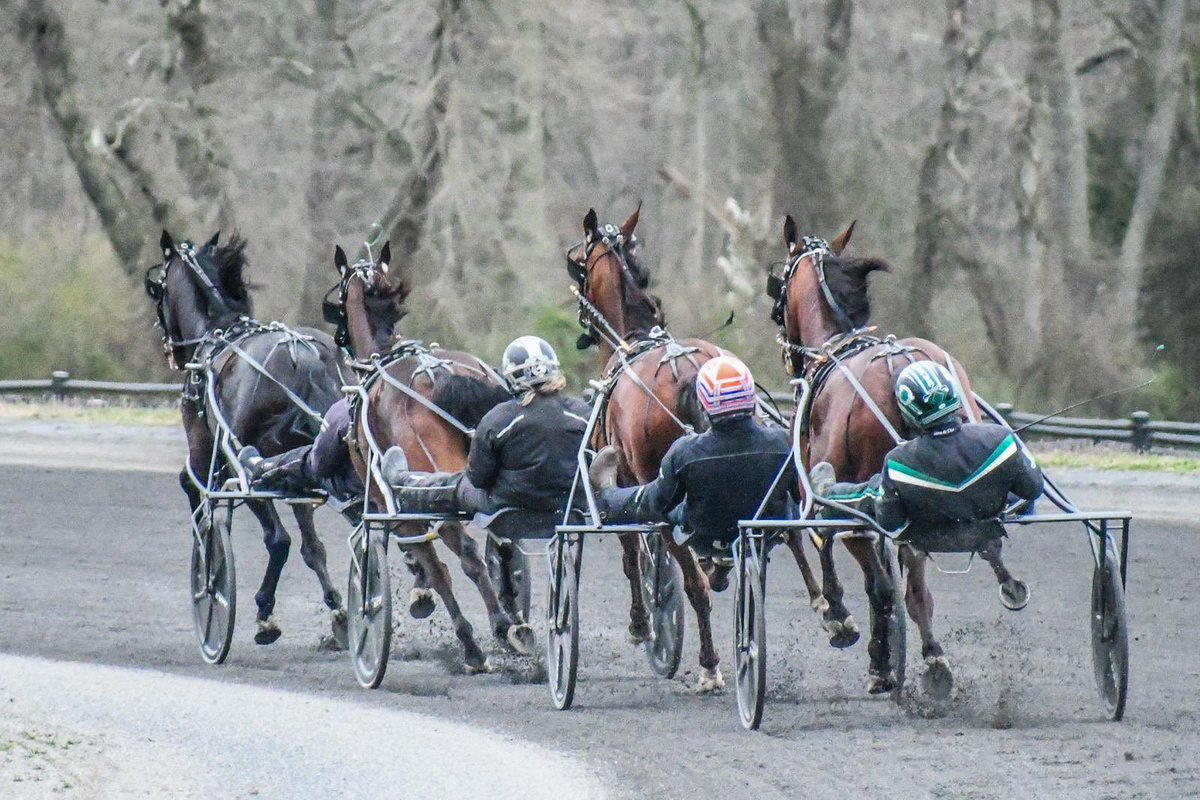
(723, 474)
(525, 456)
(957, 475)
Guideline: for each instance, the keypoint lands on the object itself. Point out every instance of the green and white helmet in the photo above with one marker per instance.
(926, 394)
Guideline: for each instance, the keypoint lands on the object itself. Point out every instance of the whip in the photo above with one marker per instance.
(1113, 393)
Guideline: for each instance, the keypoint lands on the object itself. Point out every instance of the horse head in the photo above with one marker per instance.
(370, 302)
(197, 290)
(822, 292)
(608, 271)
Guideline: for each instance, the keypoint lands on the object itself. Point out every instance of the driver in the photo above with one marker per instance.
(707, 481)
(950, 475)
(524, 450)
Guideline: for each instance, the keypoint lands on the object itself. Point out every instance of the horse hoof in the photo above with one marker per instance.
(479, 667)
(421, 603)
(1014, 594)
(268, 631)
(881, 684)
(842, 633)
(710, 681)
(937, 681)
(339, 634)
(639, 633)
(521, 639)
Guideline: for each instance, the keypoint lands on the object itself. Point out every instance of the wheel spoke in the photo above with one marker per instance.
(220, 599)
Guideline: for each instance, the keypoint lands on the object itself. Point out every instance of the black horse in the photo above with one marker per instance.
(272, 384)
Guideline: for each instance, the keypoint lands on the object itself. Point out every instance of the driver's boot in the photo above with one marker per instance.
(285, 472)
(420, 492)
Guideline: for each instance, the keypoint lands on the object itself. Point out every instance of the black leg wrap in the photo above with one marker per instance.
(427, 492)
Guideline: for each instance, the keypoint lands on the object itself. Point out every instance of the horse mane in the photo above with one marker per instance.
(644, 310)
(230, 262)
(847, 281)
(468, 399)
(384, 304)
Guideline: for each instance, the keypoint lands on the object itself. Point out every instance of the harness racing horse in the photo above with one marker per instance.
(426, 401)
(650, 402)
(272, 384)
(852, 422)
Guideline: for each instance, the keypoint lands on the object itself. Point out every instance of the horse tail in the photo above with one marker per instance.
(468, 399)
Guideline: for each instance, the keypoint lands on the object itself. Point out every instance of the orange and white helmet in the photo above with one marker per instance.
(724, 386)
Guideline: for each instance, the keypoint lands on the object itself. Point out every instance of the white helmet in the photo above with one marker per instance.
(529, 362)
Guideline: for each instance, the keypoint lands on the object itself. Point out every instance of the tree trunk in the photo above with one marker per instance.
(122, 207)
(1156, 151)
(804, 82)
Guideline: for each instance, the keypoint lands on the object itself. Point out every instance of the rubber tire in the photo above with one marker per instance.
(214, 646)
(562, 628)
(1110, 636)
(373, 631)
(898, 624)
(750, 642)
(666, 612)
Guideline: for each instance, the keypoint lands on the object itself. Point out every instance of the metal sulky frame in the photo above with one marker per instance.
(661, 584)
(213, 578)
(1108, 536)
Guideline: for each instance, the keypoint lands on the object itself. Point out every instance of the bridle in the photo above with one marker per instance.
(156, 286)
(611, 237)
(815, 249)
(334, 311)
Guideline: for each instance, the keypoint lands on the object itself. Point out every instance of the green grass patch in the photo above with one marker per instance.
(1106, 460)
(84, 414)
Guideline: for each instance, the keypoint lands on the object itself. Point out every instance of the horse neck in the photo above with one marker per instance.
(359, 329)
(186, 310)
(809, 320)
(605, 293)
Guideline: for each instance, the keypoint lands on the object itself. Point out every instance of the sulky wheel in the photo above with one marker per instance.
(213, 583)
(509, 572)
(1110, 635)
(750, 635)
(662, 593)
(369, 605)
(897, 624)
(562, 621)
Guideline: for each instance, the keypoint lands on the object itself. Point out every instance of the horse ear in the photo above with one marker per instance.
(789, 234)
(166, 244)
(590, 225)
(339, 258)
(631, 223)
(212, 243)
(385, 256)
(843, 239)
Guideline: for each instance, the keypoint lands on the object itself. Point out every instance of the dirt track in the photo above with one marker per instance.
(93, 568)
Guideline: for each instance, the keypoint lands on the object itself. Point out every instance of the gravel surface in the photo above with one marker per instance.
(93, 567)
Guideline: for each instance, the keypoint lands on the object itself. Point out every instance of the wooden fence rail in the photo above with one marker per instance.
(1139, 430)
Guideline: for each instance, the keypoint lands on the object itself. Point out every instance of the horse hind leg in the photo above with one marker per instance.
(312, 550)
(937, 681)
(880, 593)
(639, 623)
(278, 544)
(519, 635)
(1014, 593)
(695, 585)
(439, 579)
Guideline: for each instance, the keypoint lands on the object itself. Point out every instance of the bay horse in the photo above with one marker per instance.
(650, 403)
(372, 298)
(822, 305)
(204, 307)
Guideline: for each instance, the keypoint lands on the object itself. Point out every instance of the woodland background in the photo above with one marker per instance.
(1030, 168)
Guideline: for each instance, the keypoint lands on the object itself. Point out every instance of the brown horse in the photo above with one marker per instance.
(203, 304)
(823, 306)
(649, 405)
(460, 384)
